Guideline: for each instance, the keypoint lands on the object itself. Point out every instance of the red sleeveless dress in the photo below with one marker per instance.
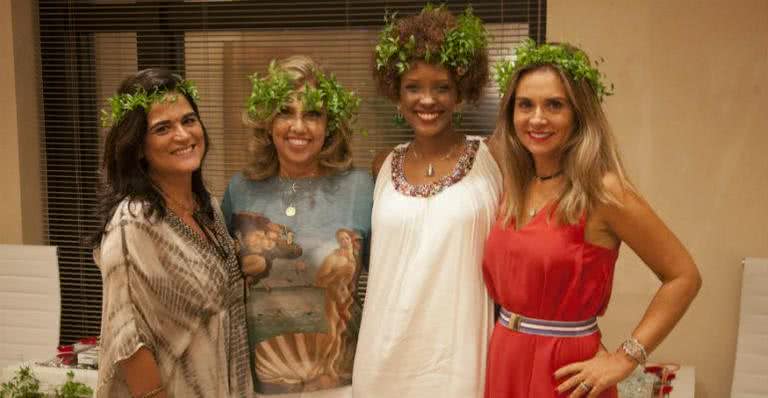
(544, 270)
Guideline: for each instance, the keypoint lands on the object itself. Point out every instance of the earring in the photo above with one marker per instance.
(399, 120)
(457, 118)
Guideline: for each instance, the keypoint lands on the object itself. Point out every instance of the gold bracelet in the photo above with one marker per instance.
(152, 393)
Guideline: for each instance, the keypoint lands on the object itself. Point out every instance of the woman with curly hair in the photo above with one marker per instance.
(173, 318)
(567, 208)
(301, 215)
(428, 317)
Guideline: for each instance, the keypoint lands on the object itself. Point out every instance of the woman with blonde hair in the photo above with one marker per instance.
(298, 210)
(567, 207)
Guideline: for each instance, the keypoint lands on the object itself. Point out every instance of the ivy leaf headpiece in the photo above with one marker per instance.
(274, 91)
(120, 104)
(269, 93)
(574, 63)
(458, 50)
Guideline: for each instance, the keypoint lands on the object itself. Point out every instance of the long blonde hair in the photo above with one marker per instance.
(336, 154)
(589, 154)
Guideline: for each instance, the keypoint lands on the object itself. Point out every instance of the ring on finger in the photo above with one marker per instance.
(584, 386)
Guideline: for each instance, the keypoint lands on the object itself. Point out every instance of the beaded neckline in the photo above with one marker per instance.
(217, 229)
(462, 167)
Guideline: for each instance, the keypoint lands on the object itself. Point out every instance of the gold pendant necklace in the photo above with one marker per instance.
(290, 210)
(291, 193)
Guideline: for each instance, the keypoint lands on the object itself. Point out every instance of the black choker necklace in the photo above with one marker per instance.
(549, 177)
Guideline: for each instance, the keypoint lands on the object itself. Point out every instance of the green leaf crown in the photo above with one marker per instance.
(120, 104)
(458, 50)
(574, 62)
(272, 92)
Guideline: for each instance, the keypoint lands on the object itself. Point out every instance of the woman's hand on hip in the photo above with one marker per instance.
(590, 378)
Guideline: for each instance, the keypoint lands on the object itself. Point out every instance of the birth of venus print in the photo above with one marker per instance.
(303, 312)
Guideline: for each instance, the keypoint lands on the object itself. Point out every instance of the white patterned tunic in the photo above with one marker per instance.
(168, 290)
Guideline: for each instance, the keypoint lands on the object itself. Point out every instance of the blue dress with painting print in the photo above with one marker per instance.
(302, 246)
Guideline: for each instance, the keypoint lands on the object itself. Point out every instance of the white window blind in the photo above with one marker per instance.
(88, 47)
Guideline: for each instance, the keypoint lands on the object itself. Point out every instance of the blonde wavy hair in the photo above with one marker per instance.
(336, 154)
(589, 154)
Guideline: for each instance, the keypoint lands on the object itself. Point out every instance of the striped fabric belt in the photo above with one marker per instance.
(542, 327)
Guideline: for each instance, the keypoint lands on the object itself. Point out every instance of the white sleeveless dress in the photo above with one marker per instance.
(427, 316)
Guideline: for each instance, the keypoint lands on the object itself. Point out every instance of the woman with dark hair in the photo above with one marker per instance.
(568, 206)
(427, 316)
(301, 215)
(173, 318)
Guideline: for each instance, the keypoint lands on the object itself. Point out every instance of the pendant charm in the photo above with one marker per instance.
(430, 170)
(290, 211)
(532, 212)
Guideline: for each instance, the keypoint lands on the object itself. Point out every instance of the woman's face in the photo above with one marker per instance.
(543, 115)
(345, 239)
(174, 145)
(299, 136)
(428, 98)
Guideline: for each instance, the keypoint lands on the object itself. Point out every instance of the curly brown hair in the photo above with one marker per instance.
(429, 29)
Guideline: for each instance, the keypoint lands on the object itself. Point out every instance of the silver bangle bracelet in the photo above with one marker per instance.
(635, 350)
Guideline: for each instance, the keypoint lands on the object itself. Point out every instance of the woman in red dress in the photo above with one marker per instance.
(567, 207)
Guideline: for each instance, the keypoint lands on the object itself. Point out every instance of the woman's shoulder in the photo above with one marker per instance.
(357, 178)
(477, 137)
(131, 211)
(617, 197)
(617, 187)
(357, 173)
(482, 141)
(239, 179)
(381, 157)
(242, 186)
(479, 144)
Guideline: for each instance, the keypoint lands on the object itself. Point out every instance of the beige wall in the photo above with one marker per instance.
(20, 198)
(689, 113)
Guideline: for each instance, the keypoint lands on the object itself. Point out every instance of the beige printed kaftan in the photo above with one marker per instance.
(179, 296)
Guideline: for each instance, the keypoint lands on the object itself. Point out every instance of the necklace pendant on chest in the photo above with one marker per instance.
(532, 212)
(430, 170)
(290, 211)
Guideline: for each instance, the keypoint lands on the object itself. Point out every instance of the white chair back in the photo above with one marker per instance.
(750, 372)
(30, 303)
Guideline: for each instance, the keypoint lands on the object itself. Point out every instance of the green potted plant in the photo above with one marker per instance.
(23, 385)
(73, 389)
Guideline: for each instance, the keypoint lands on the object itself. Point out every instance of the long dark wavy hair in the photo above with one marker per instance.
(124, 169)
